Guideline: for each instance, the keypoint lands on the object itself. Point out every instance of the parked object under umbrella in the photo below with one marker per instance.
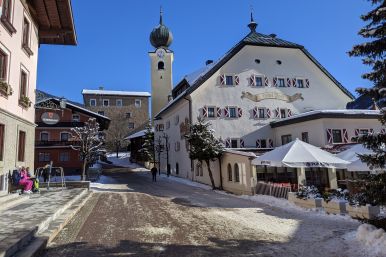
(298, 154)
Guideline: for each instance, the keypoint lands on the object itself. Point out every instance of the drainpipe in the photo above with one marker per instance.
(219, 162)
(190, 121)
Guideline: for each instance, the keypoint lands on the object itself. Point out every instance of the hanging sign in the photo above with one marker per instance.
(50, 118)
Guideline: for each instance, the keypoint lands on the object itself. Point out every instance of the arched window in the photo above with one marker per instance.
(161, 65)
(237, 173)
(229, 172)
(177, 168)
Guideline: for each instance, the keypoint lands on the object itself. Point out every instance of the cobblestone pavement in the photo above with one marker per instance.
(16, 221)
(167, 218)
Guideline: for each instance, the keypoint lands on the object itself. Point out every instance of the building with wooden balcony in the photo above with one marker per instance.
(55, 117)
(24, 25)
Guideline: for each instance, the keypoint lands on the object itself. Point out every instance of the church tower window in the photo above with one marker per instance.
(161, 65)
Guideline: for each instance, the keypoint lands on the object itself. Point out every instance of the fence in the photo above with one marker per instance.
(279, 190)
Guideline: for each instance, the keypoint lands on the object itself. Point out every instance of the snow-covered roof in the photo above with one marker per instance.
(140, 133)
(317, 114)
(248, 154)
(114, 92)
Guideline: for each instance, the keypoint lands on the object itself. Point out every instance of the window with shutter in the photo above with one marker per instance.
(289, 84)
(266, 82)
(204, 112)
(226, 112)
(294, 82)
(254, 112)
(222, 79)
(239, 112)
(280, 82)
(234, 143)
(229, 80)
(232, 112)
(268, 113)
(277, 113)
(218, 112)
(329, 136)
(274, 82)
(3, 65)
(252, 81)
(237, 80)
(258, 81)
(270, 143)
(345, 136)
(228, 143)
(307, 83)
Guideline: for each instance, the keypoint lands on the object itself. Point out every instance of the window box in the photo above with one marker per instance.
(5, 88)
(25, 102)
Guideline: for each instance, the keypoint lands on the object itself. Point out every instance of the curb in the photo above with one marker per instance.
(33, 233)
(42, 239)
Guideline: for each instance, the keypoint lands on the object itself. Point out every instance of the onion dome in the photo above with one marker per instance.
(161, 36)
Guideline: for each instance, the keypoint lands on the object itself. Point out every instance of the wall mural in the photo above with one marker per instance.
(271, 95)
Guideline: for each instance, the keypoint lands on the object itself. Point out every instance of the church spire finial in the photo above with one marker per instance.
(160, 15)
(252, 25)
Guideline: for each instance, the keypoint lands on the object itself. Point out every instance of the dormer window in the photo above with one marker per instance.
(106, 102)
(92, 102)
(161, 65)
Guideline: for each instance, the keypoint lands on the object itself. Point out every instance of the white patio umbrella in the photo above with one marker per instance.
(298, 154)
(351, 155)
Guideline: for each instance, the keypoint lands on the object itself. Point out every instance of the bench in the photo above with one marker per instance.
(11, 187)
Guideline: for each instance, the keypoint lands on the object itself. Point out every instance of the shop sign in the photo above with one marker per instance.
(50, 118)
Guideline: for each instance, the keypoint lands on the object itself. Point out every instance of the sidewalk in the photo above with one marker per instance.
(27, 220)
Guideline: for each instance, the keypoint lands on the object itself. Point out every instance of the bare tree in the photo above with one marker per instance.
(115, 135)
(91, 142)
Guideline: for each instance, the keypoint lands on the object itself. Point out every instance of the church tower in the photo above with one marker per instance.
(161, 67)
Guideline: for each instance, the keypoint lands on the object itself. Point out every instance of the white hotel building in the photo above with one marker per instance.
(24, 25)
(264, 92)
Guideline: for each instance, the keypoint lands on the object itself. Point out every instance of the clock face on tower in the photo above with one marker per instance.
(160, 53)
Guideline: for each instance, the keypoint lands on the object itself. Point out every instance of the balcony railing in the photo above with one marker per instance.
(63, 124)
(57, 143)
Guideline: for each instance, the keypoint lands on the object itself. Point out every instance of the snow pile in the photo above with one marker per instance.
(186, 182)
(373, 238)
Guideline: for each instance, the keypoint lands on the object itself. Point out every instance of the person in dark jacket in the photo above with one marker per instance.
(154, 173)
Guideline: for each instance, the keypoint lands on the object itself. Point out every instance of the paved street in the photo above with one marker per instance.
(136, 217)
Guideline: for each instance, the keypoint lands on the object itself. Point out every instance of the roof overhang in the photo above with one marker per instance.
(55, 21)
(314, 115)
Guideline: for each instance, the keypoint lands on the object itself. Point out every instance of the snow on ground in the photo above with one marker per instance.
(123, 159)
(374, 239)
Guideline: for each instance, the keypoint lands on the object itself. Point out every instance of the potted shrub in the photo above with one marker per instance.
(5, 88)
(307, 197)
(25, 101)
(361, 206)
(335, 201)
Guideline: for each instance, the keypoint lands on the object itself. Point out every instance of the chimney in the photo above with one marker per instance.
(208, 62)
(101, 88)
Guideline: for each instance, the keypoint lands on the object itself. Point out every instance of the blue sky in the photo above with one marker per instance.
(113, 39)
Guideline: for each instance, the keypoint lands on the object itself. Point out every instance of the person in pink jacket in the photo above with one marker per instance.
(25, 181)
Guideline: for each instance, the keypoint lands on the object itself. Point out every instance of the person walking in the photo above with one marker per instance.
(154, 173)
